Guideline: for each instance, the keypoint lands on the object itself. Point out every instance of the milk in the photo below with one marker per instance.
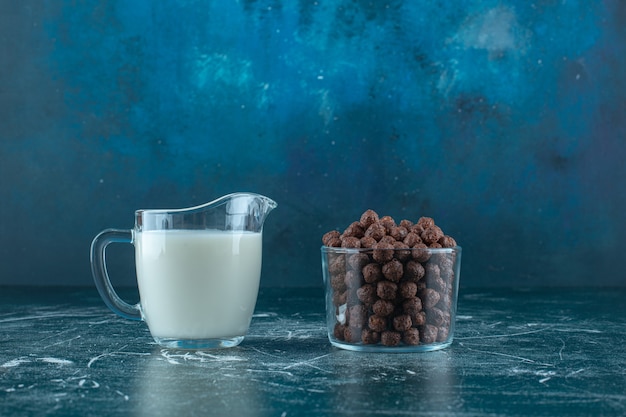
(197, 284)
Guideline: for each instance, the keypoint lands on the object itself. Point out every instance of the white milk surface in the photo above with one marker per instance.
(198, 284)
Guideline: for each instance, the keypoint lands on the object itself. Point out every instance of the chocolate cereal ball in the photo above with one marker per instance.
(387, 290)
(419, 319)
(354, 279)
(328, 237)
(412, 239)
(368, 242)
(357, 316)
(446, 263)
(411, 337)
(398, 232)
(402, 251)
(334, 242)
(357, 261)
(447, 241)
(338, 283)
(383, 252)
(337, 265)
(429, 298)
(412, 306)
(426, 222)
(376, 231)
(431, 234)
(370, 337)
(377, 323)
(428, 334)
(402, 322)
(442, 334)
(340, 298)
(368, 218)
(388, 222)
(354, 230)
(417, 229)
(434, 316)
(388, 239)
(407, 224)
(367, 294)
(432, 270)
(413, 271)
(393, 270)
(420, 252)
(339, 331)
(437, 284)
(383, 308)
(390, 338)
(445, 302)
(350, 242)
(352, 334)
(408, 289)
(372, 273)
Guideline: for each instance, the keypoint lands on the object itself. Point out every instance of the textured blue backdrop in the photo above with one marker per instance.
(504, 120)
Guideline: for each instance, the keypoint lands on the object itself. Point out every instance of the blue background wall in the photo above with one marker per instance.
(504, 120)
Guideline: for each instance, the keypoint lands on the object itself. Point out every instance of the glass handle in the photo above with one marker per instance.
(101, 277)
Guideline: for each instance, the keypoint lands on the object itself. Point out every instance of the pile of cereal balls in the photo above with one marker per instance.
(394, 290)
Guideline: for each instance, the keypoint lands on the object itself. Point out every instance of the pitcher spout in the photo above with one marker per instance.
(248, 211)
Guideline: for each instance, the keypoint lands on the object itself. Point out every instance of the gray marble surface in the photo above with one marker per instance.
(516, 353)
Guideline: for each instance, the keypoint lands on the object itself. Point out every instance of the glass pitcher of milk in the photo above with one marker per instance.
(198, 270)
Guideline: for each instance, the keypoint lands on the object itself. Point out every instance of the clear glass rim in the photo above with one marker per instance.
(332, 249)
(359, 347)
(271, 203)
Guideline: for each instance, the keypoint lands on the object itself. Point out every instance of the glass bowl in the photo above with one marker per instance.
(391, 300)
